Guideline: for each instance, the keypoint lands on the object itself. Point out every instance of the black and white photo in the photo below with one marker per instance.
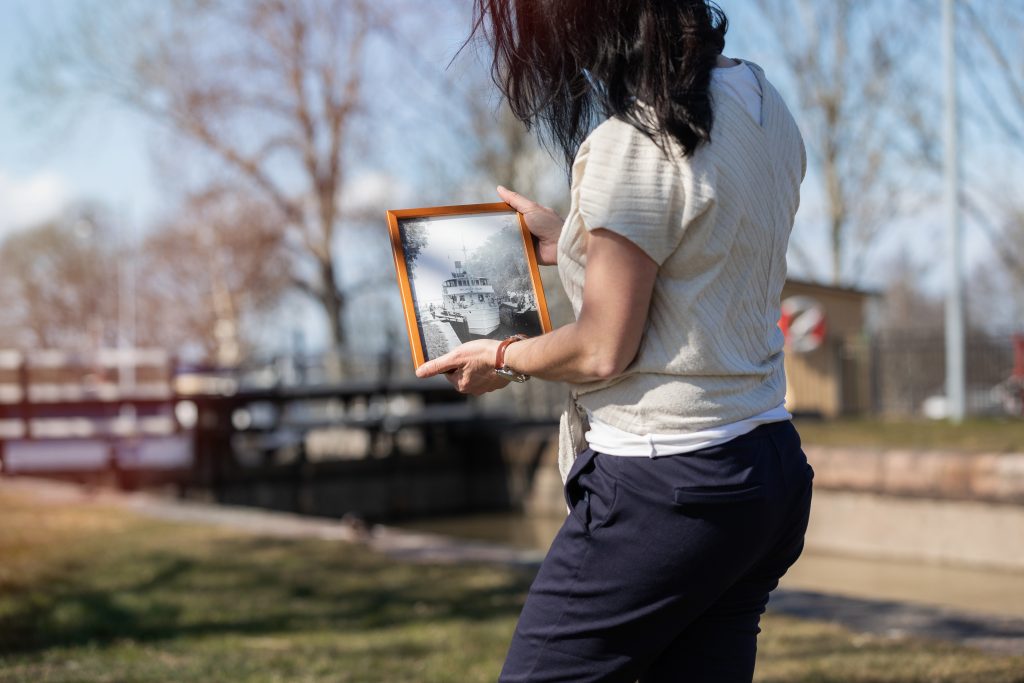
(469, 274)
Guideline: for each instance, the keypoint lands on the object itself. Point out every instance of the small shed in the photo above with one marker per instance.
(828, 375)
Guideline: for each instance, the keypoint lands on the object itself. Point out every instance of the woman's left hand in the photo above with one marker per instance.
(470, 367)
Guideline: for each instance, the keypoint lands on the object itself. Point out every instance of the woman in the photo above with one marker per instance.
(688, 494)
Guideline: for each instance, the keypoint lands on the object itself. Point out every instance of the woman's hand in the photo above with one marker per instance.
(470, 367)
(542, 222)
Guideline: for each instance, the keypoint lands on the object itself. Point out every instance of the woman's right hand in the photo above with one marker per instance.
(542, 222)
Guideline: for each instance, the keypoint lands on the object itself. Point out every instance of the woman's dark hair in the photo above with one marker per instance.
(562, 64)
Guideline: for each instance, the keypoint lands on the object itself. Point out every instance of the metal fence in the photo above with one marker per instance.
(907, 373)
(897, 375)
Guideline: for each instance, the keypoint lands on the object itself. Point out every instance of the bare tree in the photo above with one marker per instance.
(60, 284)
(989, 52)
(270, 89)
(11, 333)
(906, 306)
(506, 153)
(220, 261)
(507, 276)
(849, 65)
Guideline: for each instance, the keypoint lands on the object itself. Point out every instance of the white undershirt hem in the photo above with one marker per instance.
(604, 438)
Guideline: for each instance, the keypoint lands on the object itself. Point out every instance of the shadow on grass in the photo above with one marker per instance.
(245, 587)
(887, 617)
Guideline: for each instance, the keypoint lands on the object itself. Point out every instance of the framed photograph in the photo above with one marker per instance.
(465, 272)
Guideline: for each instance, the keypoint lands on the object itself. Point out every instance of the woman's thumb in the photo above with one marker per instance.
(514, 199)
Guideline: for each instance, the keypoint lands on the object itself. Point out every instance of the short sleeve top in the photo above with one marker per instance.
(625, 185)
(717, 223)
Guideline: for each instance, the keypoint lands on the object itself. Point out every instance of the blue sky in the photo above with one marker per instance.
(104, 157)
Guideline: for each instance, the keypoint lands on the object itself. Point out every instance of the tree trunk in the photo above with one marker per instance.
(333, 302)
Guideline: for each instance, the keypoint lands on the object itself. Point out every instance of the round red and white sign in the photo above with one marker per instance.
(803, 323)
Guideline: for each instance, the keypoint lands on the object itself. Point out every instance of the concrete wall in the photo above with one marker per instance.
(931, 506)
(950, 532)
(940, 475)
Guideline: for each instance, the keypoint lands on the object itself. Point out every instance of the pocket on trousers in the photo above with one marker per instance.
(574, 495)
(717, 495)
(589, 493)
(734, 472)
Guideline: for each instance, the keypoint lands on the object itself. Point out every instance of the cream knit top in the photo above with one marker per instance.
(717, 223)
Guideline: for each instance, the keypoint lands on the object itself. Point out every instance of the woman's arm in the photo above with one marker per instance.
(603, 341)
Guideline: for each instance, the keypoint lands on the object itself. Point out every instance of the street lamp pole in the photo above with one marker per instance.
(955, 366)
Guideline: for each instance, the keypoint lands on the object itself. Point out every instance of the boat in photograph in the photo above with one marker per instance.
(472, 299)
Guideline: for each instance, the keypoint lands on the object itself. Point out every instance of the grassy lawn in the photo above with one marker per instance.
(89, 593)
(973, 436)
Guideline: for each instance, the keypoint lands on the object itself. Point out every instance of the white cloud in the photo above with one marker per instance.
(373, 192)
(27, 201)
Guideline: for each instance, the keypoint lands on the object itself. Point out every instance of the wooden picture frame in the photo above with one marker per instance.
(465, 272)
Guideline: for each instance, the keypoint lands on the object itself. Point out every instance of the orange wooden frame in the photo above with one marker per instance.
(408, 306)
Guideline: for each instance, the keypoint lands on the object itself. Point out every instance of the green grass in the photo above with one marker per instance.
(89, 593)
(973, 436)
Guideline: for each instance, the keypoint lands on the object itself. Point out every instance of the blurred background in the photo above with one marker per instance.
(198, 299)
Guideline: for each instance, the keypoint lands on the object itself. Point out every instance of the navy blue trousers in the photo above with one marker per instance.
(663, 567)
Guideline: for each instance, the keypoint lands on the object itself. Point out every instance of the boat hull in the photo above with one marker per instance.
(482, 322)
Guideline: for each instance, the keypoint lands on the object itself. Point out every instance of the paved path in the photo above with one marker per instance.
(397, 543)
(1003, 635)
